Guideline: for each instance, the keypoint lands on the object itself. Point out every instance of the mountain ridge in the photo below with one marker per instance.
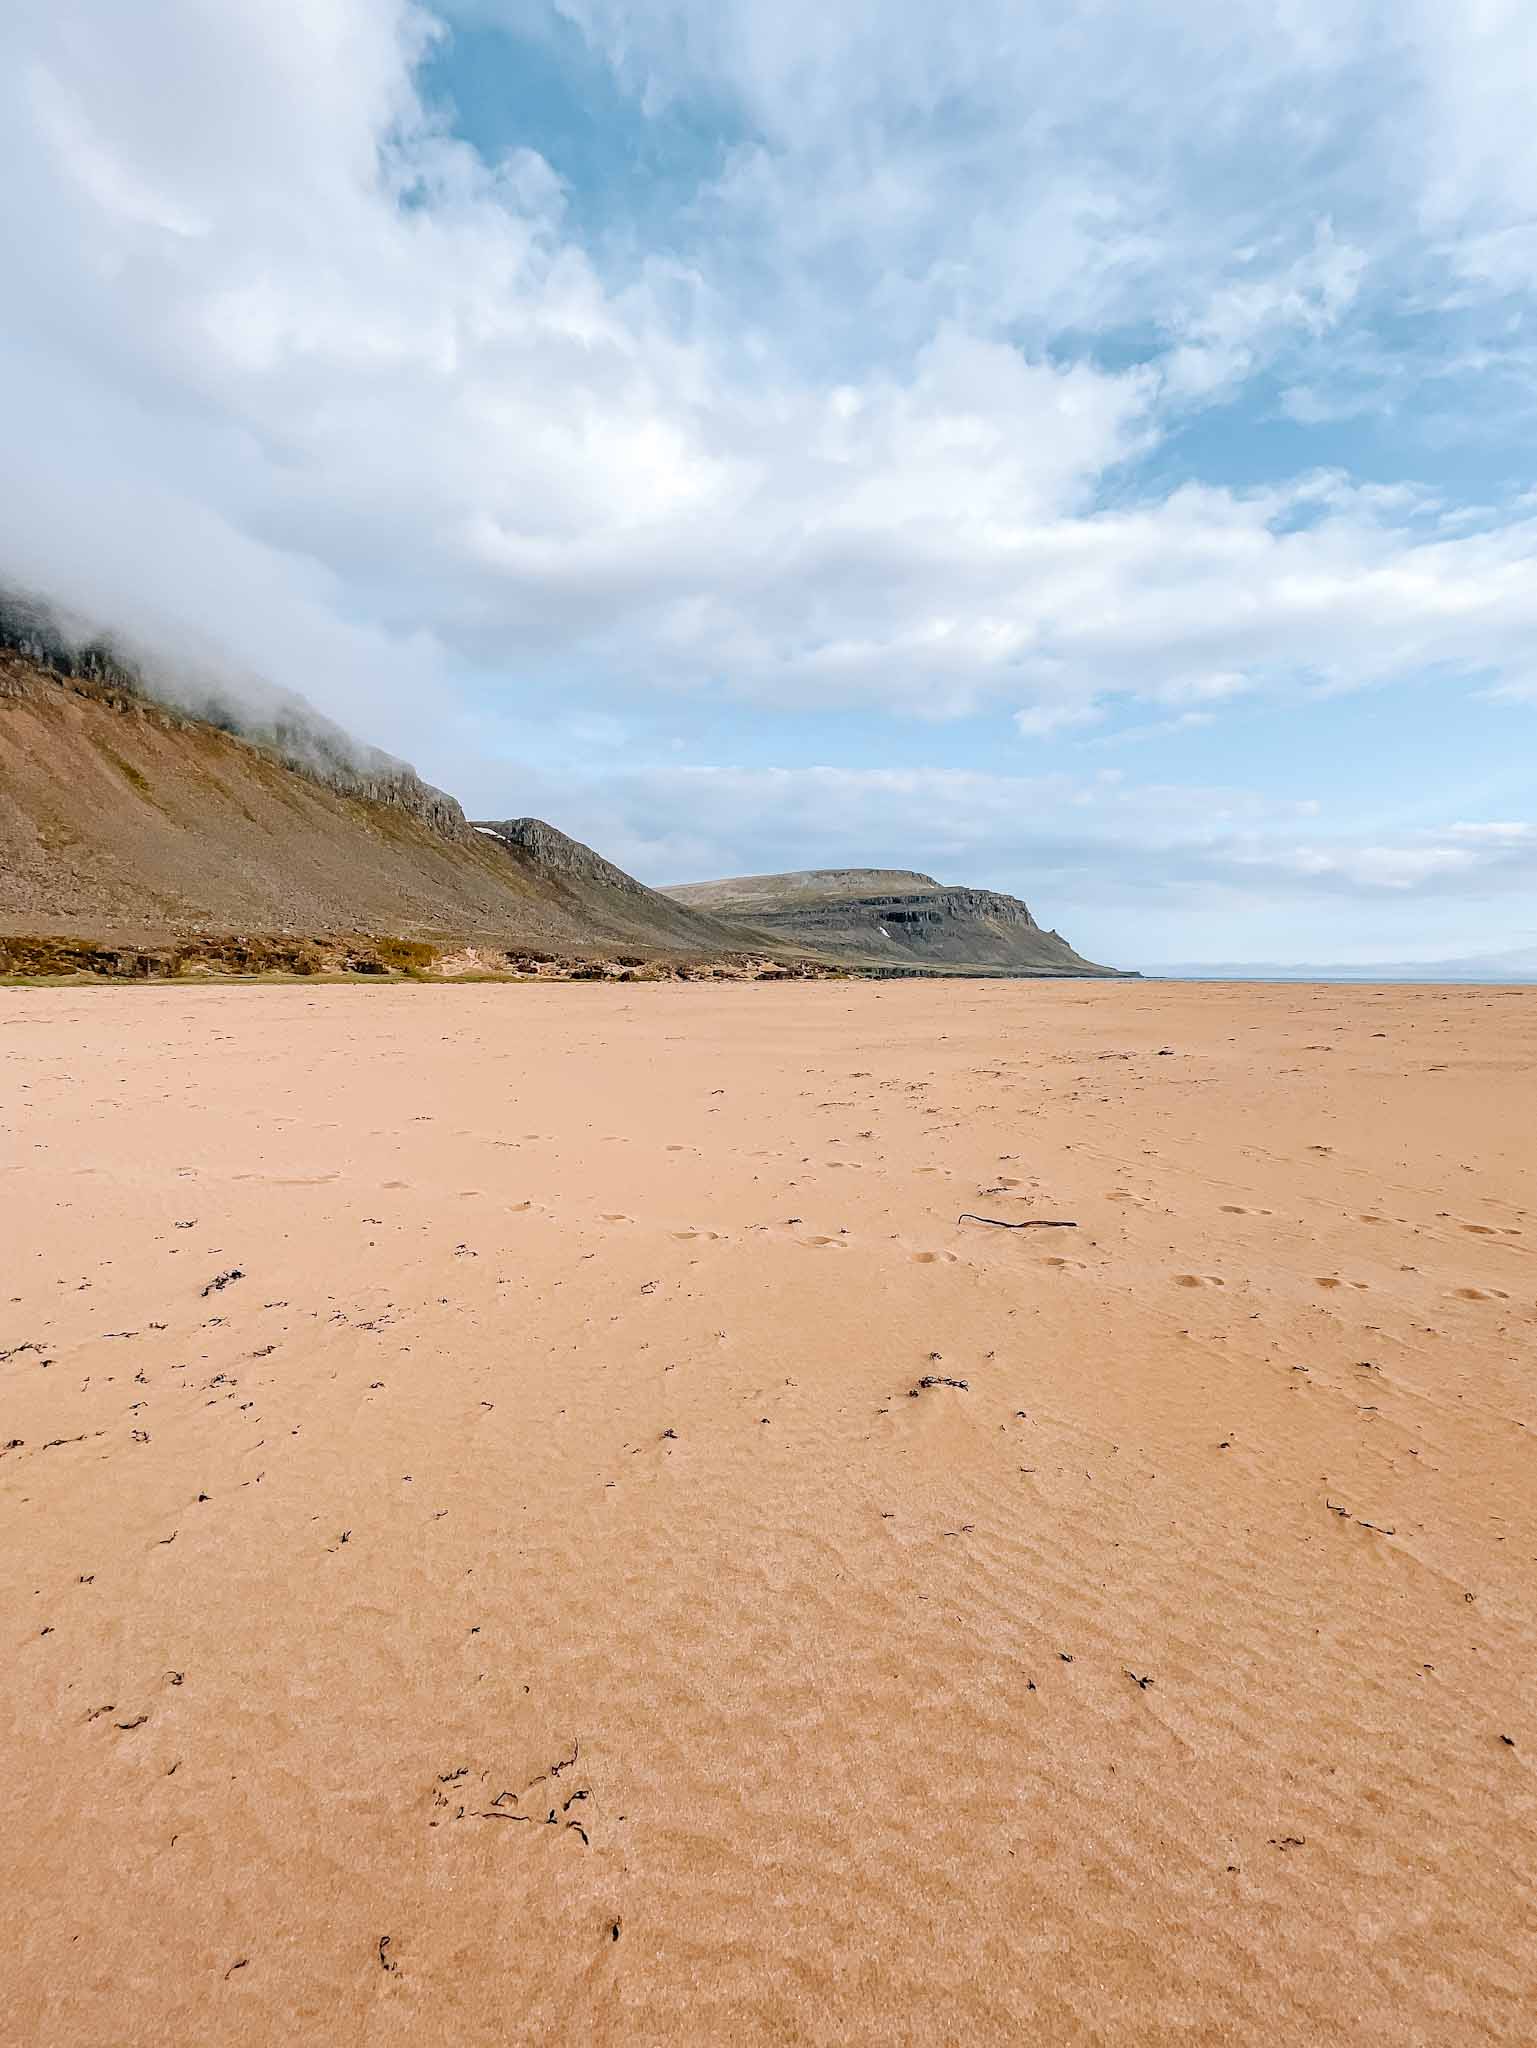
(892, 916)
(173, 816)
(128, 822)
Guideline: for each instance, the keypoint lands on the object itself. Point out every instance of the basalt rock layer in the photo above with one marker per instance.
(894, 917)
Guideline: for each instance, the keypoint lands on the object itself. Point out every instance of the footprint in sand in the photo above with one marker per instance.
(1327, 1280)
(617, 1219)
(1198, 1280)
(821, 1243)
(696, 1236)
(1479, 1294)
(933, 1258)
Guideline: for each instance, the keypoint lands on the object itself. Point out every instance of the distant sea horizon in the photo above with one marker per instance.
(1429, 976)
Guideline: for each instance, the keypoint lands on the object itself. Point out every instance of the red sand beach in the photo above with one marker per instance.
(527, 1518)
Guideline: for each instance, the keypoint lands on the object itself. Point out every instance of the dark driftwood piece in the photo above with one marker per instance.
(1028, 1223)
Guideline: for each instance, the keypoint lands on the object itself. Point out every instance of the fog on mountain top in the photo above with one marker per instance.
(197, 684)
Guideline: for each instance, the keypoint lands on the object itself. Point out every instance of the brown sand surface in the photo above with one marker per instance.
(522, 1600)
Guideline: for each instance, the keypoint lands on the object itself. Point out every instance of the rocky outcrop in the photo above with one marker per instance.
(616, 905)
(892, 916)
(398, 786)
(560, 854)
(37, 633)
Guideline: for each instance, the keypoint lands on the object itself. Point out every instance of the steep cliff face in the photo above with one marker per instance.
(402, 789)
(125, 821)
(35, 646)
(594, 889)
(559, 854)
(894, 916)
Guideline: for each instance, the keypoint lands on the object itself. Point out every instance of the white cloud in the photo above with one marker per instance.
(1044, 719)
(392, 371)
(1242, 324)
(1366, 867)
(1499, 833)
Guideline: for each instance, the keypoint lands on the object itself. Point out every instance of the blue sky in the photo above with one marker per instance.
(1084, 451)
